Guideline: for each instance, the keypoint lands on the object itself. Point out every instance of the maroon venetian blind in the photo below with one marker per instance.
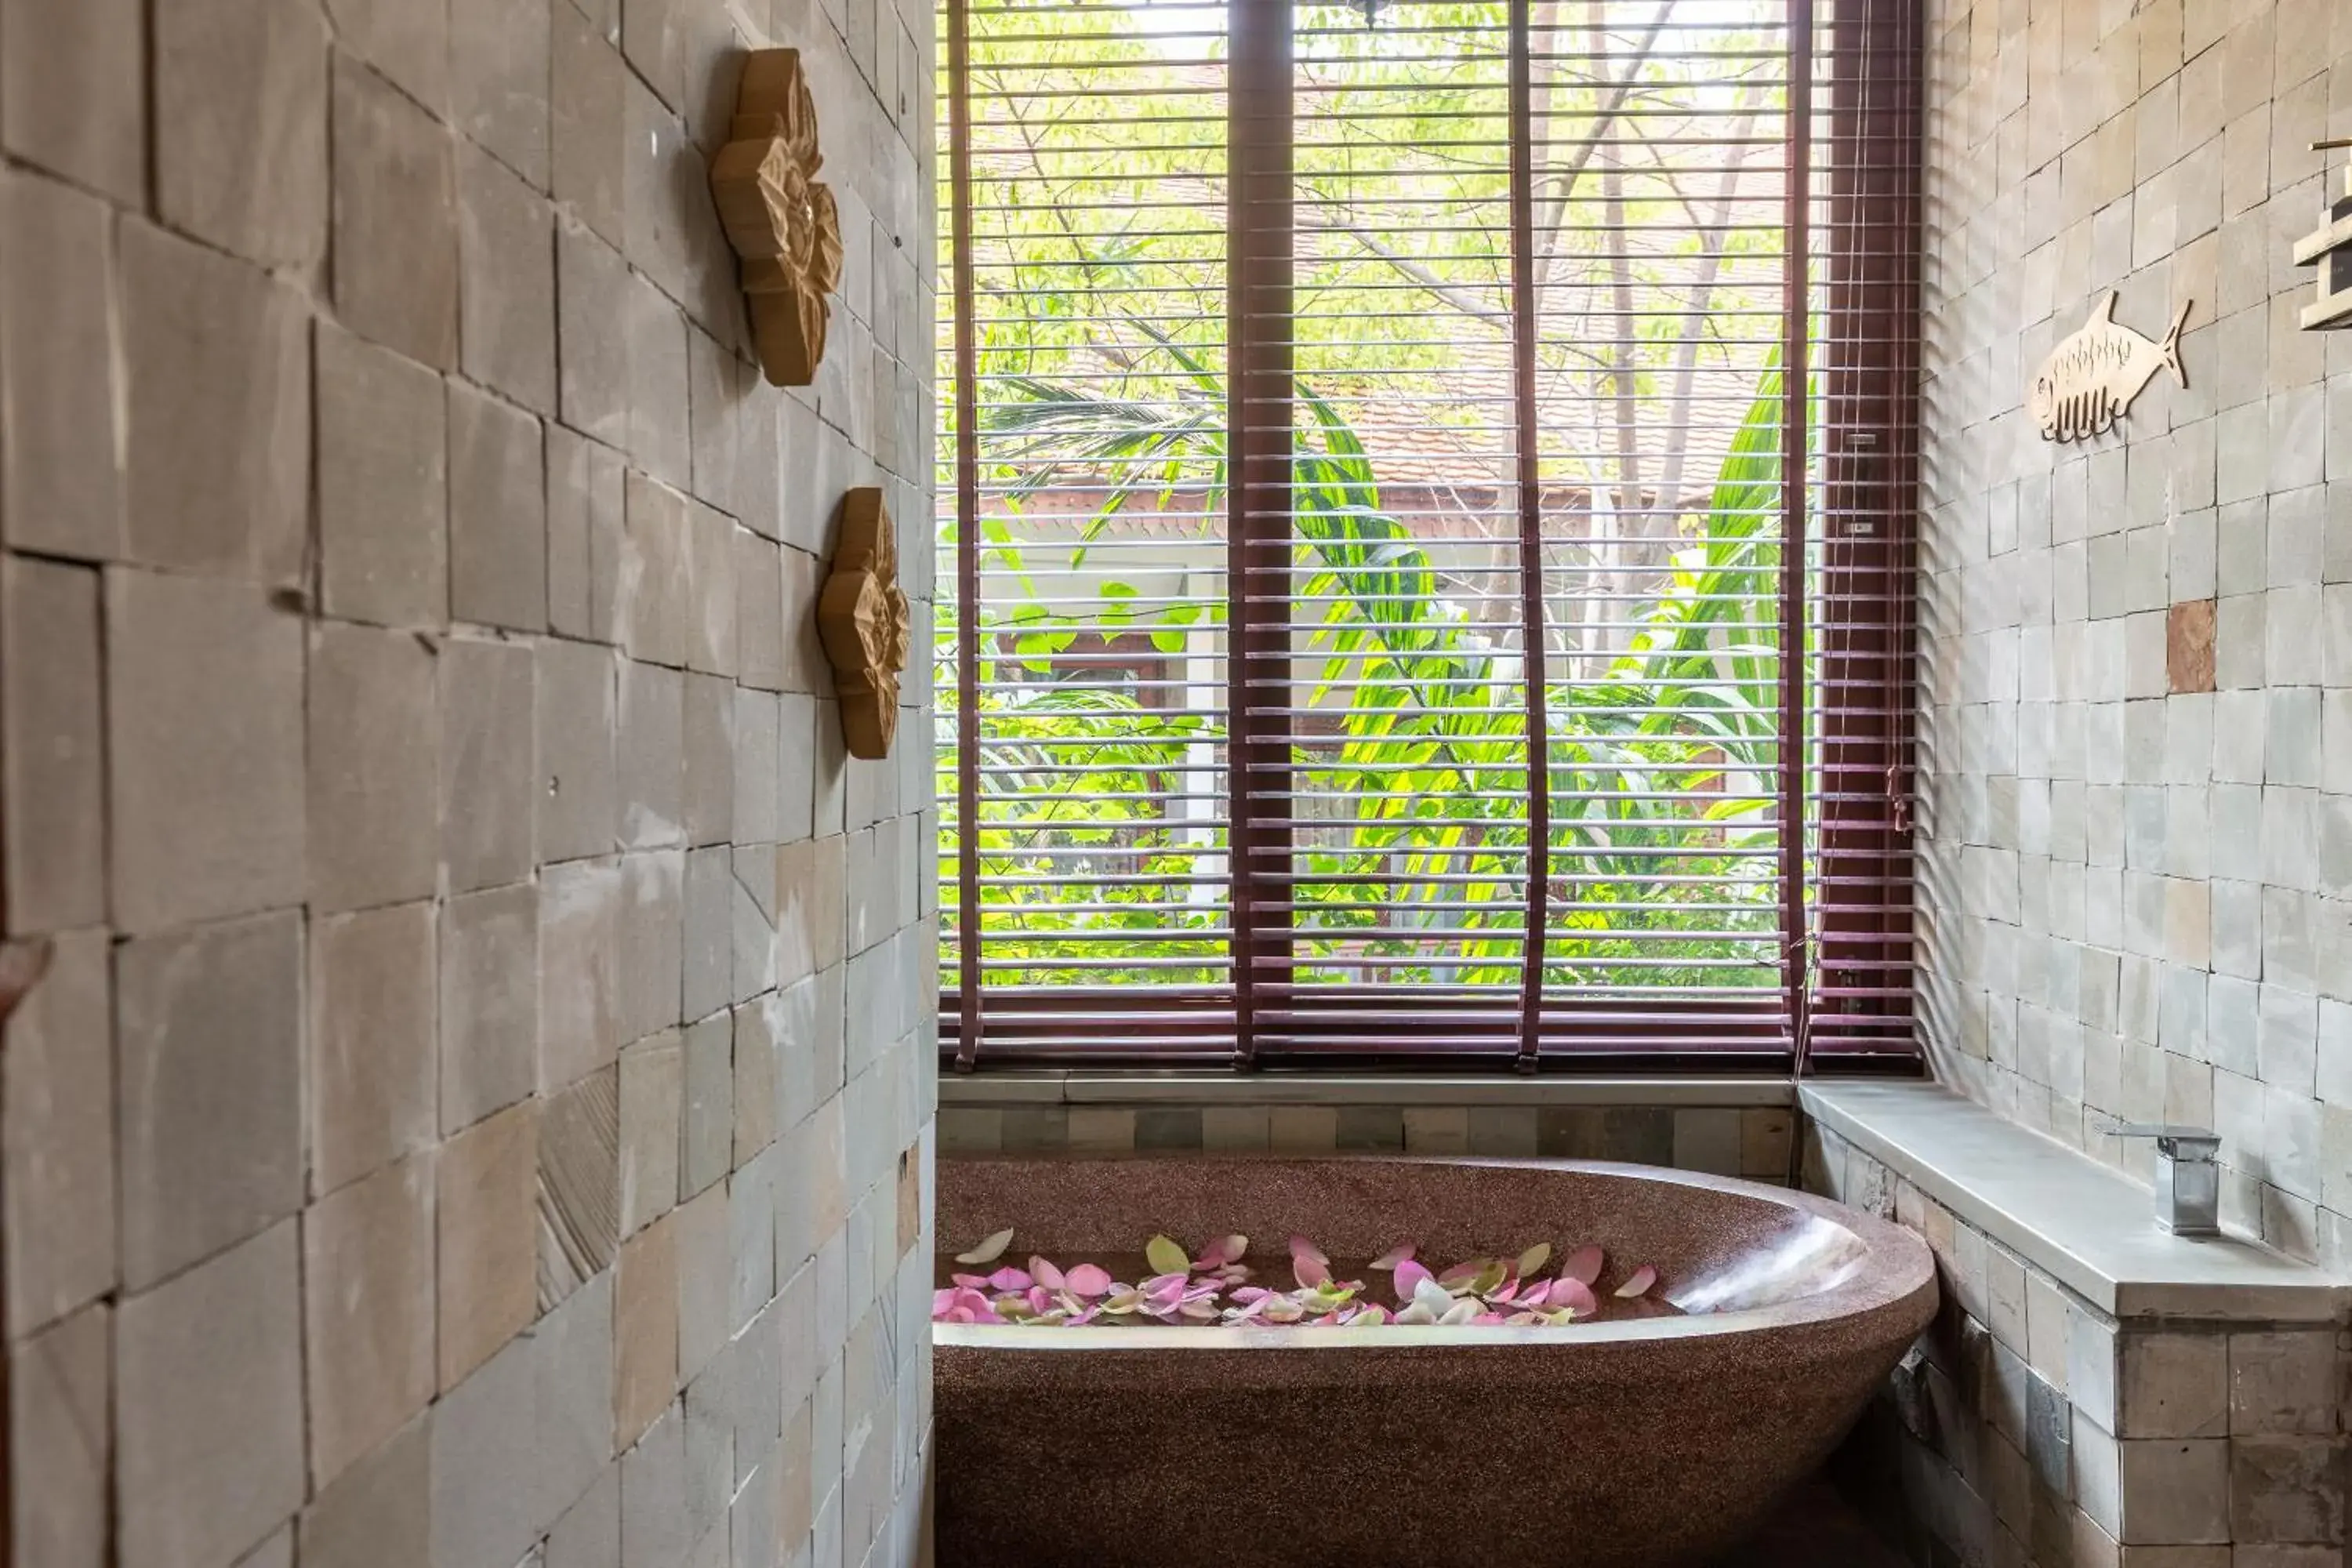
(1427, 538)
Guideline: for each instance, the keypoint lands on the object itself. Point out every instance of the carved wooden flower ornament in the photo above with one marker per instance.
(861, 616)
(779, 216)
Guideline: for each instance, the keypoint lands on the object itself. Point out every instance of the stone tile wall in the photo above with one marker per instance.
(477, 1106)
(2029, 1427)
(2136, 762)
(1726, 1140)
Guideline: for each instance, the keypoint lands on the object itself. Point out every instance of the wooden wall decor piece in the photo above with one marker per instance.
(2090, 380)
(2329, 250)
(861, 618)
(779, 216)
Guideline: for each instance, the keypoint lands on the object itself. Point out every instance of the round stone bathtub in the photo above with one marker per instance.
(1660, 1439)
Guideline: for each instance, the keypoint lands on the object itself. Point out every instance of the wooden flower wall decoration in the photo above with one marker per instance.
(779, 216)
(861, 618)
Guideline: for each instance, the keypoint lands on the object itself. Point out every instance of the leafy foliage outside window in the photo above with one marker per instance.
(1102, 362)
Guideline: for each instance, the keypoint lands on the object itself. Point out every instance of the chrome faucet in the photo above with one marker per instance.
(2187, 1180)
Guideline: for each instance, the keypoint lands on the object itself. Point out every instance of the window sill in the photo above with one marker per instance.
(1076, 1087)
(2092, 1228)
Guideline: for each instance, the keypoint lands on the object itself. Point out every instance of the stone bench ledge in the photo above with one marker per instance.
(2089, 1228)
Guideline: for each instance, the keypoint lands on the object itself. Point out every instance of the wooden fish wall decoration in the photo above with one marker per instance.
(2090, 380)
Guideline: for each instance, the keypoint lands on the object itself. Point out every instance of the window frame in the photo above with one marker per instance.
(1849, 428)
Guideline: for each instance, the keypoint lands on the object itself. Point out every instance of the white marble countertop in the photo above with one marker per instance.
(2091, 1227)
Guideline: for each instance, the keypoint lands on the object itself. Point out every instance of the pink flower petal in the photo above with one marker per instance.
(1041, 1300)
(1535, 1295)
(1042, 1270)
(1461, 1274)
(1312, 1271)
(1088, 1316)
(942, 1302)
(1089, 1281)
(988, 1251)
(1224, 1250)
(1488, 1320)
(1409, 1275)
(1302, 1247)
(1638, 1283)
(975, 1280)
(1009, 1279)
(1573, 1296)
(1395, 1255)
(1584, 1265)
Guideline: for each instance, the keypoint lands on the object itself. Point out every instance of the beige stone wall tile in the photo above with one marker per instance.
(61, 1423)
(373, 802)
(72, 92)
(217, 417)
(57, 1138)
(383, 484)
(584, 532)
(580, 910)
(371, 1046)
(488, 1239)
(52, 790)
(488, 778)
(579, 1184)
(61, 479)
(368, 1310)
(499, 81)
(2288, 1382)
(644, 1330)
(215, 1349)
(241, 86)
(376, 1515)
(652, 1090)
(488, 1043)
(407, 45)
(208, 1030)
(498, 508)
(395, 221)
(404, 701)
(586, 103)
(506, 294)
(578, 806)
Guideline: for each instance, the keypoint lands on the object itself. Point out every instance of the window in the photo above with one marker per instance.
(1352, 402)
